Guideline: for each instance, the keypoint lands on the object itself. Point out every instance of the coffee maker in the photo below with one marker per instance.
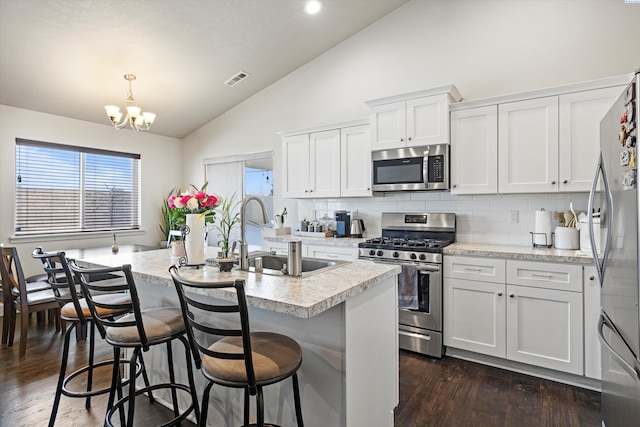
(343, 224)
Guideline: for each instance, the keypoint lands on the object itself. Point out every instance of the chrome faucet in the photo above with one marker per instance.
(244, 248)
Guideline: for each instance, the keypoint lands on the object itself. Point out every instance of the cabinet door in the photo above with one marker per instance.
(474, 316)
(528, 152)
(428, 120)
(580, 116)
(325, 164)
(592, 357)
(332, 252)
(355, 161)
(544, 328)
(278, 247)
(474, 151)
(295, 166)
(388, 126)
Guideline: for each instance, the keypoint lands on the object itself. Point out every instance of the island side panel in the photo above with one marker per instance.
(372, 379)
(321, 376)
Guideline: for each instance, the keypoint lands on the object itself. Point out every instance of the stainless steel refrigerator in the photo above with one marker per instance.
(615, 195)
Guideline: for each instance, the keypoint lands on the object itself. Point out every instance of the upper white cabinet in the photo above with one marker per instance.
(414, 119)
(580, 116)
(474, 150)
(327, 163)
(355, 161)
(312, 164)
(546, 140)
(528, 138)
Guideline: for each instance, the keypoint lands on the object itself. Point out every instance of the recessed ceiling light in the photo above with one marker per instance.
(312, 7)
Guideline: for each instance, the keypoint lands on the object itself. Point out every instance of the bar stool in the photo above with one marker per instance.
(139, 330)
(75, 311)
(238, 358)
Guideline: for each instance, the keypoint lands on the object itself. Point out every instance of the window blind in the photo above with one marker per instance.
(63, 188)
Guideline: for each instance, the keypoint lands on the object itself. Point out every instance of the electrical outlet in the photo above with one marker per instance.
(513, 217)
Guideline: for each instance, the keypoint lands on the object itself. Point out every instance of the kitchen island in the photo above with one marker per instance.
(345, 320)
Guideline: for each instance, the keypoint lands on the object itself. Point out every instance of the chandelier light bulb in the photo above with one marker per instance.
(135, 118)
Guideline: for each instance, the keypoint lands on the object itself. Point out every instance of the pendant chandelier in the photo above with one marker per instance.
(135, 118)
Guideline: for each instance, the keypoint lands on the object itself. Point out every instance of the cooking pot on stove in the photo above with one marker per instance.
(357, 228)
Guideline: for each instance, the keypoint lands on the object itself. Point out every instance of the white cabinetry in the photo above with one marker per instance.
(328, 161)
(474, 305)
(277, 247)
(414, 119)
(529, 312)
(474, 150)
(592, 357)
(355, 161)
(528, 155)
(340, 253)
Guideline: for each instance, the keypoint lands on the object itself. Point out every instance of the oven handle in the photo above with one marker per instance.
(433, 268)
(414, 335)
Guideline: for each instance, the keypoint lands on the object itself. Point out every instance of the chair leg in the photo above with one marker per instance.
(5, 322)
(116, 384)
(12, 326)
(146, 378)
(247, 406)
(132, 386)
(24, 328)
(260, 407)
(296, 397)
(92, 343)
(172, 379)
(63, 370)
(192, 383)
(205, 405)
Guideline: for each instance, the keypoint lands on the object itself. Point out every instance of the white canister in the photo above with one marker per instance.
(567, 238)
(585, 239)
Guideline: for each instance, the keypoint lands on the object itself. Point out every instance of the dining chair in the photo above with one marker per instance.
(237, 357)
(138, 331)
(22, 297)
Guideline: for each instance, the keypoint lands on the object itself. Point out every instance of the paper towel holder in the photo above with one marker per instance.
(540, 245)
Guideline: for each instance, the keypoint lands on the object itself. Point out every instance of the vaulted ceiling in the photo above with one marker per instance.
(68, 57)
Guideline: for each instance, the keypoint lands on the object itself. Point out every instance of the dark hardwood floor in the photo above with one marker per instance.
(433, 392)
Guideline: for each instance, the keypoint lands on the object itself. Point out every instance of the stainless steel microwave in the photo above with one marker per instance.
(411, 169)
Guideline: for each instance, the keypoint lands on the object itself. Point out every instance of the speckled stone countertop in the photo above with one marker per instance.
(300, 297)
(326, 241)
(524, 253)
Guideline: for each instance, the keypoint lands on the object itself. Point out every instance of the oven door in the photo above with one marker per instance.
(428, 315)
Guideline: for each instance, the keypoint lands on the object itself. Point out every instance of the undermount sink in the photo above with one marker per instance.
(274, 264)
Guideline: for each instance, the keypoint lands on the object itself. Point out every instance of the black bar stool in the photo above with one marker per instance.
(75, 311)
(138, 331)
(237, 358)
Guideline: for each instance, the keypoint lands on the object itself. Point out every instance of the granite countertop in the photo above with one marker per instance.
(300, 297)
(323, 241)
(524, 253)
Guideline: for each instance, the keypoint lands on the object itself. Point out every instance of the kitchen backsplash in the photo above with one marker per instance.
(480, 218)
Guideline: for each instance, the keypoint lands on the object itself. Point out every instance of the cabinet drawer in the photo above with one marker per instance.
(545, 275)
(470, 268)
(329, 252)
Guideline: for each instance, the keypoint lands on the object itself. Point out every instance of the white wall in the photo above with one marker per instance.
(161, 159)
(486, 48)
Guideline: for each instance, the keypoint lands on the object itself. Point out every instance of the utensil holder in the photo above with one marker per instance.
(567, 238)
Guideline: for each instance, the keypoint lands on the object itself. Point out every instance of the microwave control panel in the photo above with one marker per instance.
(436, 168)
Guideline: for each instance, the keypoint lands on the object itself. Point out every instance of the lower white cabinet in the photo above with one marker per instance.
(331, 252)
(278, 247)
(539, 324)
(592, 356)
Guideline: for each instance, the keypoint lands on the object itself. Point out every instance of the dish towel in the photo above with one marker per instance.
(408, 287)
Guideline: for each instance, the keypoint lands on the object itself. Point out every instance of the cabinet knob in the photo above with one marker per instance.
(553, 183)
(409, 138)
(401, 139)
(512, 296)
(499, 294)
(455, 185)
(565, 181)
(306, 191)
(592, 278)
(368, 189)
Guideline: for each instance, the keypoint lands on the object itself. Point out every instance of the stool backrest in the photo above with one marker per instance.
(12, 276)
(60, 278)
(197, 310)
(121, 280)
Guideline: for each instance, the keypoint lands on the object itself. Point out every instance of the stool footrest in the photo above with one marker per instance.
(92, 393)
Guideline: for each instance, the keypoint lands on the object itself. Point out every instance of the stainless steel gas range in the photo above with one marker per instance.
(415, 241)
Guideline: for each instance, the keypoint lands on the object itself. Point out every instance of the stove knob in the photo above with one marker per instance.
(372, 252)
(396, 254)
(380, 253)
(413, 256)
(423, 257)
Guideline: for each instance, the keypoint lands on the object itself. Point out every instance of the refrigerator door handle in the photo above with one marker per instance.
(600, 267)
(634, 371)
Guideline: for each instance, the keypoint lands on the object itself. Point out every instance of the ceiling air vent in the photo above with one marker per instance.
(234, 80)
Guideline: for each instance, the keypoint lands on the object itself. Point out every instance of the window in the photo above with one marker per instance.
(62, 188)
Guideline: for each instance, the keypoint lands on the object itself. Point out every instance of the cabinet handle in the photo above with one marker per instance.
(499, 294)
(565, 181)
(553, 183)
(512, 296)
